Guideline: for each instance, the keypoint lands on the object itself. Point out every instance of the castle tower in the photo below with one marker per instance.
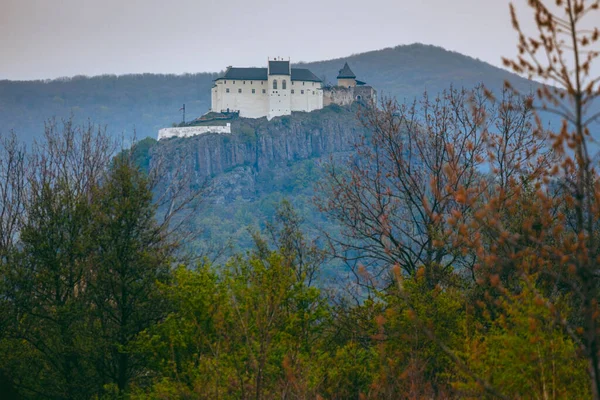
(279, 87)
(346, 77)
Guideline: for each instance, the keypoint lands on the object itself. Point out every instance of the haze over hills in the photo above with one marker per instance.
(405, 72)
(148, 102)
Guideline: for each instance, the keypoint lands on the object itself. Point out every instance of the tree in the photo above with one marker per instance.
(251, 329)
(13, 169)
(130, 257)
(45, 276)
(395, 198)
(513, 347)
(81, 257)
(554, 248)
(286, 235)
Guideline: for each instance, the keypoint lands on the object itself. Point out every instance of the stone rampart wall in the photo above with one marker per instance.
(189, 131)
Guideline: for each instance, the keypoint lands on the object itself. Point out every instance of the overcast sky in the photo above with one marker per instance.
(54, 38)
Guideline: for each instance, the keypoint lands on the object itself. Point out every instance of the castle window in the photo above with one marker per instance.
(313, 84)
(284, 84)
(313, 92)
(292, 90)
(302, 92)
(302, 83)
(227, 90)
(274, 83)
(264, 91)
(240, 90)
(244, 82)
(253, 91)
(224, 81)
(234, 82)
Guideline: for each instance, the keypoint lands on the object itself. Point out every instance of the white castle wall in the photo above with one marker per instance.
(311, 99)
(279, 99)
(250, 105)
(272, 103)
(192, 131)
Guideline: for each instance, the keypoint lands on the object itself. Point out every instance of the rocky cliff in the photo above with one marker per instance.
(257, 147)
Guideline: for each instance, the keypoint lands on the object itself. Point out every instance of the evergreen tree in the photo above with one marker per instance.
(46, 283)
(130, 256)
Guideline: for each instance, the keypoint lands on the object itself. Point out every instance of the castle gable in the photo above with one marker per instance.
(279, 67)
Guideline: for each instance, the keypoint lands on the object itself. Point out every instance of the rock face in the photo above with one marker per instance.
(233, 160)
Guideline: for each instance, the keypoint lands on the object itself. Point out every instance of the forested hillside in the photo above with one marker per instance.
(442, 249)
(144, 103)
(149, 102)
(250, 171)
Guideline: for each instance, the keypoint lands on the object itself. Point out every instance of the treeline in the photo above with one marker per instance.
(98, 302)
(144, 102)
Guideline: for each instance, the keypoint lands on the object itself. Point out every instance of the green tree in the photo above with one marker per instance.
(129, 258)
(254, 330)
(47, 284)
(46, 272)
(515, 349)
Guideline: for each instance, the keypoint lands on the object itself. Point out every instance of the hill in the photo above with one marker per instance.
(148, 102)
(405, 72)
(255, 167)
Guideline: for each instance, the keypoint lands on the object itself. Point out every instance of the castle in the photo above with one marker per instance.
(280, 89)
(270, 92)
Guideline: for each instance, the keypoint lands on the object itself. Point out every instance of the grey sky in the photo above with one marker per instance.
(52, 38)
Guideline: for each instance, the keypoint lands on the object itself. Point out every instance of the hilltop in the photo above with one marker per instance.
(405, 72)
(258, 165)
(148, 102)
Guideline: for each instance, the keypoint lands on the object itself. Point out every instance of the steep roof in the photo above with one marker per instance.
(303, 74)
(279, 67)
(261, 74)
(251, 74)
(346, 73)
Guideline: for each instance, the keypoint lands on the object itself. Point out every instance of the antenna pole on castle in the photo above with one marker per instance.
(183, 109)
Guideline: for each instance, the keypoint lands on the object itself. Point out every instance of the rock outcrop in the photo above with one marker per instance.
(233, 160)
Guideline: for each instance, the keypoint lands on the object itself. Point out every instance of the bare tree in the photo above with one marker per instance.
(563, 246)
(13, 170)
(394, 198)
(73, 155)
(300, 252)
(178, 195)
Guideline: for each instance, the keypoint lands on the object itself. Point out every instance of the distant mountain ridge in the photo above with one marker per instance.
(407, 71)
(148, 102)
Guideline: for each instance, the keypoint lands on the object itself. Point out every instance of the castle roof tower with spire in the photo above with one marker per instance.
(346, 77)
